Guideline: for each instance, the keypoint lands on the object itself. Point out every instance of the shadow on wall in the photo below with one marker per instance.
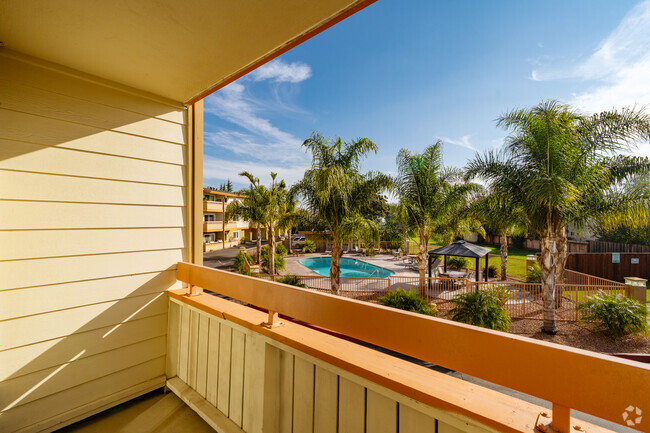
(94, 223)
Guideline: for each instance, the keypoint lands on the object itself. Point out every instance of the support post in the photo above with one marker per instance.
(561, 421)
(487, 259)
(445, 262)
(272, 321)
(429, 279)
(477, 277)
(193, 290)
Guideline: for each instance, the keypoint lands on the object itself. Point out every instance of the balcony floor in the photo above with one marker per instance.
(153, 412)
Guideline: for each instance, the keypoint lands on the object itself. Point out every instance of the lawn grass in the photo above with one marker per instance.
(516, 258)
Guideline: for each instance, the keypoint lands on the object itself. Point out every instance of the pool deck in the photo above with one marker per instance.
(385, 261)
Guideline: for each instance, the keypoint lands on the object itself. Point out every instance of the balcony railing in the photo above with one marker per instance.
(214, 206)
(235, 364)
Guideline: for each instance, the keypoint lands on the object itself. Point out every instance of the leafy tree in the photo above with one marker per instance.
(500, 214)
(558, 165)
(435, 198)
(335, 192)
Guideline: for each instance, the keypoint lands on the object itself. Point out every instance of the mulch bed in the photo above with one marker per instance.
(576, 334)
(580, 335)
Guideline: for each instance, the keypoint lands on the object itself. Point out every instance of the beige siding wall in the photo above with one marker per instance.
(92, 223)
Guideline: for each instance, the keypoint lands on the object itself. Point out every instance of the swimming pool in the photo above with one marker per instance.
(349, 268)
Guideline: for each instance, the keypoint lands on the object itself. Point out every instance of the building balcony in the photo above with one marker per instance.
(247, 368)
(217, 226)
(212, 206)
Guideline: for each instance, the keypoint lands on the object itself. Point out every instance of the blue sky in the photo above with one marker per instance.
(406, 74)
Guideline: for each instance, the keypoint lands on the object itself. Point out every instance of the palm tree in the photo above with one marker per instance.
(275, 202)
(435, 198)
(250, 208)
(502, 215)
(334, 191)
(559, 167)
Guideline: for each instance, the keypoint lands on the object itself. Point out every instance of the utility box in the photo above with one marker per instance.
(635, 288)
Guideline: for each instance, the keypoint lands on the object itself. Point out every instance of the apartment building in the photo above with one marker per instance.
(219, 233)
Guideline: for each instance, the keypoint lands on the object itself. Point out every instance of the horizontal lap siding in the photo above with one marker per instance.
(92, 224)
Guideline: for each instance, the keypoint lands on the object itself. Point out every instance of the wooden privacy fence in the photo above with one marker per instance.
(612, 266)
(525, 299)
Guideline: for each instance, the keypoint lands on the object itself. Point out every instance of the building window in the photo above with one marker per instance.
(209, 197)
(235, 235)
(209, 217)
(209, 238)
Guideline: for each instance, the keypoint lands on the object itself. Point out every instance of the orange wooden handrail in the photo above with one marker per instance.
(596, 384)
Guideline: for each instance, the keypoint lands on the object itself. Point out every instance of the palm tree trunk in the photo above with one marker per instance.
(271, 237)
(547, 266)
(504, 256)
(422, 263)
(259, 245)
(562, 241)
(335, 268)
(290, 241)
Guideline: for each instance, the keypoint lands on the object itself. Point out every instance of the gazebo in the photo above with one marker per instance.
(462, 249)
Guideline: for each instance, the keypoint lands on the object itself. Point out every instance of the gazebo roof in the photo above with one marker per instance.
(462, 249)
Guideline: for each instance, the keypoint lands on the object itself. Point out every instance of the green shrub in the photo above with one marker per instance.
(292, 280)
(481, 308)
(281, 249)
(493, 271)
(239, 265)
(277, 258)
(457, 262)
(244, 240)
(616, 315)
(534, 274)
(409, 301)
(308, 246)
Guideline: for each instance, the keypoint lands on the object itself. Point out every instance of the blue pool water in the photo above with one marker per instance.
(349, 268)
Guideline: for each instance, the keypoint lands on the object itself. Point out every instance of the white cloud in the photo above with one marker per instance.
(462, 142)
(216, 170)
(253, 143)
(279, 71)
(617, 74)
(618, 70)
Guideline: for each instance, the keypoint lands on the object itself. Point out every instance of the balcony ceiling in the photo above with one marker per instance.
(179, 49)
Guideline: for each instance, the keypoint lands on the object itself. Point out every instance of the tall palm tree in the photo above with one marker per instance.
(275, 207)
(250, 208)
(435, 198)
(560, 167)
(502, 215)
(334, 191)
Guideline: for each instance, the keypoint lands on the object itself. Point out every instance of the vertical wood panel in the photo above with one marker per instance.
(352, 406)
(285, 399)
(326, 395)
(412, 421)
(194, 347)
(381, 413)
(253, 383)
(202, 361)
(223, 381)
(303, 395)
(237, 376)
(173, 339)
(184, 343)
(213, 361)
(446, 428)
